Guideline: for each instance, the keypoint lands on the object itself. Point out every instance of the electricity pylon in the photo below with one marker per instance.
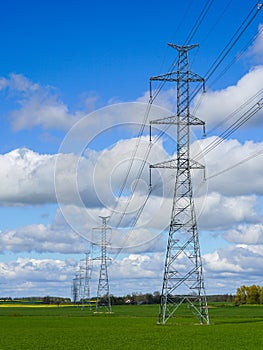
(183, 281)
(85, 277)
(88, 272)
(75, 289)
(81, 281)
(103, 292)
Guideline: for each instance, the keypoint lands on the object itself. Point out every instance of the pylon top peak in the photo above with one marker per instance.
(104, 218)
(182, 47)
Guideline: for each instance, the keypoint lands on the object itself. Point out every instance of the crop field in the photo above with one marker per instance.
(128, 327)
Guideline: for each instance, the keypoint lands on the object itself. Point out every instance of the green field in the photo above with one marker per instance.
(129, 327)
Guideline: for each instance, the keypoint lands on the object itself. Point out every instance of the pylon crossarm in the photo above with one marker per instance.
(168, 120)
(173, 119)
(184, 77)
(182, 48)
(195, 165)
(191, 77)
(173, 164)
(166, 77)
(169, 164)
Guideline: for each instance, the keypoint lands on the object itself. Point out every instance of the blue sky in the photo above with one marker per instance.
(62, 60)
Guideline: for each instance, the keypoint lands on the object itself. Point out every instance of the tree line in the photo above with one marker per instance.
(244, 295)
(249, 295)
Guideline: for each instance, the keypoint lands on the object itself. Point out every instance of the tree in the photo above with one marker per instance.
(46, 300)
(241, 295)
(249, 295)
(253, 294)
(261, 295)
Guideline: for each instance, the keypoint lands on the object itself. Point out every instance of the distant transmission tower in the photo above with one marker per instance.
(75, 289)
(183, 281)
(103, 293)
(88, 271)
(81, 281)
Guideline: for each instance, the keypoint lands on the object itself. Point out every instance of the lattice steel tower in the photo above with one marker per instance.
(81, 281)
(183, 281)
(103, 293)
(88, 272)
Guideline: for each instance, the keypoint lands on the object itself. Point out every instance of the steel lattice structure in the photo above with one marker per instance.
(183, 281)
(88, 272)
(103, 292)
(81, 281)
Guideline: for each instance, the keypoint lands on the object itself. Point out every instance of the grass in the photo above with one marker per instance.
(129, 327)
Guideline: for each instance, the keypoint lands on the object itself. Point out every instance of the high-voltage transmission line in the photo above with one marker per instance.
(81, 281)
(183, 281)
(103, 292)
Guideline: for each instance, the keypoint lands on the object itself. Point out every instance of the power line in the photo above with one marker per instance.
(216, 22)
(228, 47)
(234, 39)
(198, 21)
(252, 156)
(212, 69)
(190, 36)
(231, 129)
(231, 115)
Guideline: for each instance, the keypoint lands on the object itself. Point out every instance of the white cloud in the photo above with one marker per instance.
(41, 106)
(216, 106)
(45, 111)
(217, 262)
(18, 83)
(88, 184)
(237, 179)
(256, 50)
(144, 237)
(41, 239)
(164, 99)
(246, 234)
(139, 265)
(38, 105)
(26, 177)
(31, 276)
(220, 212)
(233, 266)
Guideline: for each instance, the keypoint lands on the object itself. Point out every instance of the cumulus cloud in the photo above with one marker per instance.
(139, 265)
(86, 223)
(130, 273)
(41, 239)
(38, 105)
(89, 180)
(87, 184)
(217, 106)
(246, 234)
(165, 99)
(26, 177)
(18, 83)
(31, 276)
(241, 263)
(256, 50)
(221, 212)
(227, 172)
(45, 111)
